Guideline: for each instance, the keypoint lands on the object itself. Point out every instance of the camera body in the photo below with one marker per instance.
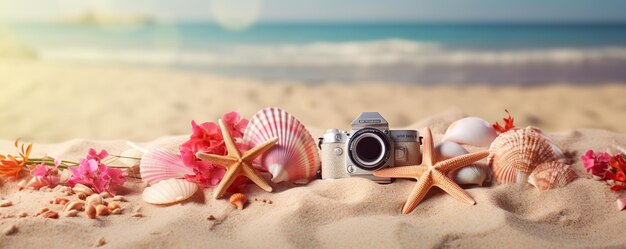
(368, 147)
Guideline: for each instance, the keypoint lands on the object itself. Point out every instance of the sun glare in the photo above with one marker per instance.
(236, 15)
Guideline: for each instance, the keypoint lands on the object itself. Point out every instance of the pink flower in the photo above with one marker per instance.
(44, 176)
(596, 163)
(207, 137)
(96, 175)
(92, 154)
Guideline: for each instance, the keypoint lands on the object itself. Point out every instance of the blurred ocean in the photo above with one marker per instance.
(412, 53)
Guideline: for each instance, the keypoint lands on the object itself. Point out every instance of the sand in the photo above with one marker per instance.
(109, 106)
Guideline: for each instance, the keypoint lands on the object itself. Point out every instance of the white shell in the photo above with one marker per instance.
(472, 174)
(295, 157)
(169, 191)
(447, 150)
(471, 131)
(131, 153)
(162, 164)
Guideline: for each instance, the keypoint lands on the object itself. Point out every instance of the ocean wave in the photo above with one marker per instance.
(326, 54)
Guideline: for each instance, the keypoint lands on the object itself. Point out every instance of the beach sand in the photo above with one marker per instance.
(66, 109)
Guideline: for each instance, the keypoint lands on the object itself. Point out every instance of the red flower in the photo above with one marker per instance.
(207, 137)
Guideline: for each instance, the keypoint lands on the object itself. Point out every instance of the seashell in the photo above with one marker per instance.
(94, 199)
(471, 131)
(82, 189)
(50, 215)
(470, 175)
(552, 175)
(295, 157)
(238, 200)
(74, 205)
(447, 150)
(162, 164)
(112, 206)
(105, 195)
(516, 153)
(621, 203)
(169, 191)
(71, 213)
(102, 210)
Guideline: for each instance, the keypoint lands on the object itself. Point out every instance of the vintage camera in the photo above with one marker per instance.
(370, 146)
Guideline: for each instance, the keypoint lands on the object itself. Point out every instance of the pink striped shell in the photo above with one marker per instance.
(516, 153)
(552, 175)
(295, 157)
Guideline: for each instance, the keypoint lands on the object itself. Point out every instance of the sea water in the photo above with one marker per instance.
(339, 52)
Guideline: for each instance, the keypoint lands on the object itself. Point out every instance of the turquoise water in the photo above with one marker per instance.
(412, 53)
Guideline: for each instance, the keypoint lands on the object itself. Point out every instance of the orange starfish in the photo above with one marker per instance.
(237, 164)
(432, 173)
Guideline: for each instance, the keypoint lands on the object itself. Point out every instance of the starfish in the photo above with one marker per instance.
(237, 164)
(432, 173)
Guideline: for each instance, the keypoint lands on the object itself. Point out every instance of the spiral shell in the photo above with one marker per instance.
(551, 175)
(295, 157)
(516, 153)
(238, 200)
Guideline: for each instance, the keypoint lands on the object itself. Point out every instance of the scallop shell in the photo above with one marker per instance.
(169, 191)
(162, 164)
(471, 131)
(551, 175)
(295, 157)
(516, 153)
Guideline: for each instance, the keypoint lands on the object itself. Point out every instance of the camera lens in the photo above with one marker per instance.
(369, 149)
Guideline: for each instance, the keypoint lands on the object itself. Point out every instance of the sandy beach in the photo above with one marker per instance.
(66, 109)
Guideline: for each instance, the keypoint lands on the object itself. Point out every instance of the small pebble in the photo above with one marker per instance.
(100, 242)
(61, 201)
(12, 229)
(22, 214)
(119, 198)
(82, 196)
(6, 216)
(136, 214)
(6, 203)
(211, 217)
(90, 211)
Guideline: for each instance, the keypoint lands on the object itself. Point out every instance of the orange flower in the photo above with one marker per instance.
(11, 166)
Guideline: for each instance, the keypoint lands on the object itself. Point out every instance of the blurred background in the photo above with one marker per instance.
(113, 69)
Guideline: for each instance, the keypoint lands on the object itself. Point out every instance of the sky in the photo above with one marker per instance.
(332, 10)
